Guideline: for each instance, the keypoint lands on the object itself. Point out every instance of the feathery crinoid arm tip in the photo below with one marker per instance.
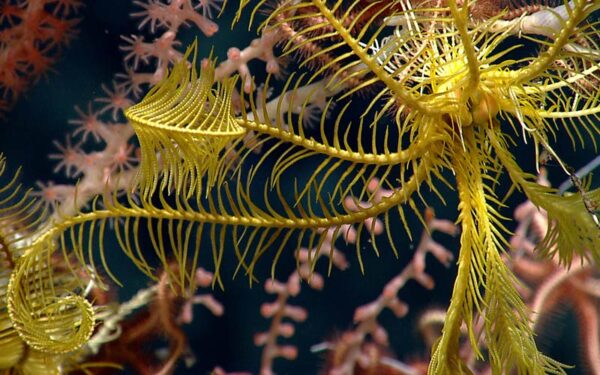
(43, 297)
(184, 124)
(573, 229)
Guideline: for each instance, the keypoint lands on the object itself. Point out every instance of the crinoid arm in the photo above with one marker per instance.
(44, 313)
(183, 126)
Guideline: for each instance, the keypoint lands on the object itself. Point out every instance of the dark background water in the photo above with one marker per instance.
(92, 59)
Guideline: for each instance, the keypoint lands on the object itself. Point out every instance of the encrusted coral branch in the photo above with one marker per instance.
(351, 351)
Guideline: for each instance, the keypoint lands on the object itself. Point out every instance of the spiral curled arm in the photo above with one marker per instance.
(44, 307)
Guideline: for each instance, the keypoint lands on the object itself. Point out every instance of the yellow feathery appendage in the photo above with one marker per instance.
(183, 125)
(46, 307)
(12, 347)
(37, 321)
(508, 337)
(574, 231)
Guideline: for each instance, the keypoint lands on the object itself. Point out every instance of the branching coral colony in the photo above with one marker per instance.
(445, 92)
(32, 34)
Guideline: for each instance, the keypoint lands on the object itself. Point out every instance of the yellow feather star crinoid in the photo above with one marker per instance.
(446, 94)
(457, 99)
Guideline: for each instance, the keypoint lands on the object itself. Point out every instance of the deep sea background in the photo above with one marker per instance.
(92, 59)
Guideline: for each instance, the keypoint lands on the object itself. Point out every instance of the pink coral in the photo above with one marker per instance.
(32, 33)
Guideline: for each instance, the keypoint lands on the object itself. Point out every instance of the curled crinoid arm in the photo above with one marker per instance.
(188, 123)
(43, 307)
